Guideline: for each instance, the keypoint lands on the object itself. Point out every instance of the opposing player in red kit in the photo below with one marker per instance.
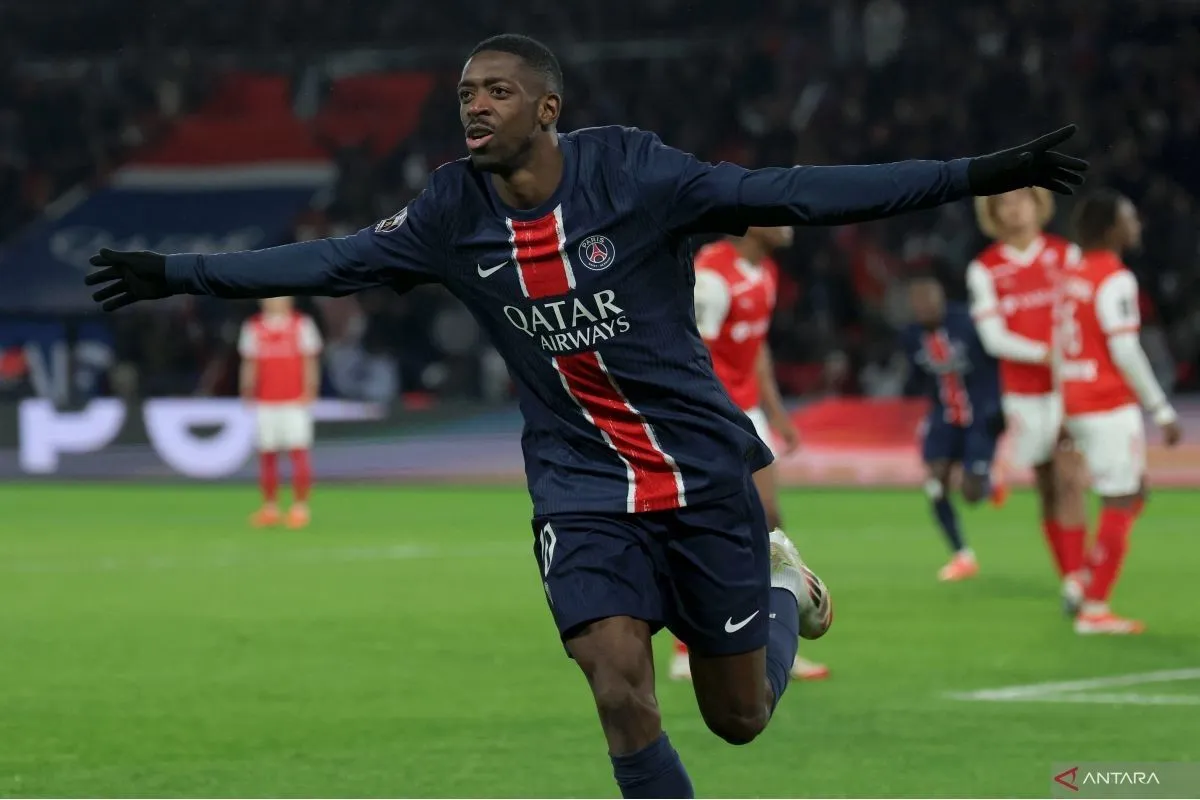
(1013, 284)
(280, 349)
(736, 281)
(1105, 375)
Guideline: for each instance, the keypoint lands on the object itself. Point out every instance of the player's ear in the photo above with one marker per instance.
(549, 109)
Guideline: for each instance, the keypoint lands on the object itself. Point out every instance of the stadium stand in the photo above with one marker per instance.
(777, 84)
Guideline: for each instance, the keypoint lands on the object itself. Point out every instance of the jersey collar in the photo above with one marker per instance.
(1023, 257)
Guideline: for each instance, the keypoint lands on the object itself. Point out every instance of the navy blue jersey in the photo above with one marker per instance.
(964, 381)
(588, 298)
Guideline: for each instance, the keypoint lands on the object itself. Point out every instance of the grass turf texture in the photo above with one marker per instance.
(153, 645)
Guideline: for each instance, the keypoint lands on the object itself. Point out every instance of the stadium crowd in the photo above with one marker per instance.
(820, 82)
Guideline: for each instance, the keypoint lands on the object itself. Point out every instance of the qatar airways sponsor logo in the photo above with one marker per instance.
(1027, 301)
(571, 323)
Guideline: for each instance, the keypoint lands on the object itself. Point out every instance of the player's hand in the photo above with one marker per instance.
(788, 434)
(127, 278)
(1029, 164)
(1172, 434)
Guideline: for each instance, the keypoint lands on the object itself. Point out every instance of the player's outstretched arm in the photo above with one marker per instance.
(331, 267)
(694, 196)
(402, 250)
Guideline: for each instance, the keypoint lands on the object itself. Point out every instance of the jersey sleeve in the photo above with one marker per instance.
(247, 341)
(981, 289)
(997, 340)
(404, 249)
(691, 196)
(310, 338)
(712, 303)
(1117, 304)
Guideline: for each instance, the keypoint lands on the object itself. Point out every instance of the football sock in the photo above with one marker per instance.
(783, 639)
(1108, 553)
(1073, 540)
(268, 476)
(1054, 540)
(654, 771)
(301, 475)
(943, 511)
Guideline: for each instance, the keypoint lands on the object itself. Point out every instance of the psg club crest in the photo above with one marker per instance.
(597, 252)
(394, 221)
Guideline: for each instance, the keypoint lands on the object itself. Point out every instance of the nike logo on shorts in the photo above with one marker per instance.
(734, 627)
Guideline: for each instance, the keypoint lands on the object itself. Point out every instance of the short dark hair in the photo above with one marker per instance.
(1095, 215)
(537, 56)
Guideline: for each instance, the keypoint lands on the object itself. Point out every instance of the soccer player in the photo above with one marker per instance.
(965, 418)
(1012, 285)
(735, 292)
(281, 374)
(571, 251)
(1105, 375)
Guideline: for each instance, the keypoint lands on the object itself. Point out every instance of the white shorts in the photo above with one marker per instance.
(1034, 422)
(761, 427)
(1113, 444)
(284, 426)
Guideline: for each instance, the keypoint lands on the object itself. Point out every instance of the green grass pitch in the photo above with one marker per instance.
(152, 645)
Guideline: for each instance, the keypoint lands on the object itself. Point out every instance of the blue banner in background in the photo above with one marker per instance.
(42, 270)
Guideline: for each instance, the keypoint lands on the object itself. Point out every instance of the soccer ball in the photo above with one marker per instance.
(816, 607)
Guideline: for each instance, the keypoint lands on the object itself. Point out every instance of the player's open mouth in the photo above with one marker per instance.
(478, 137)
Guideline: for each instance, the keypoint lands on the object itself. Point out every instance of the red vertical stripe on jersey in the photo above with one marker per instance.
(539, 250)
(655, 483)
(950, 384)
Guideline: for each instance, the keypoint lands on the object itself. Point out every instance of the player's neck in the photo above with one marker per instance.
(535, 181)
(1022, 241)
(750, 250)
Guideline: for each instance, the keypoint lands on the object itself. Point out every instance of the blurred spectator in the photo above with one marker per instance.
(772, 82)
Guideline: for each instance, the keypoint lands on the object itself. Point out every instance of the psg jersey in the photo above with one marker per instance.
(963, 380)
(588, 298)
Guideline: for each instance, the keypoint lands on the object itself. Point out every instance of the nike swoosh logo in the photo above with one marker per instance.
(483, 273)
(731, 627)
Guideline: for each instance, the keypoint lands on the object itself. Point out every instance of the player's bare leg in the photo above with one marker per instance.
(962, 564)
(1104, 561)
(616, 658)
(765, 481)
(268, 481)
(738, 693)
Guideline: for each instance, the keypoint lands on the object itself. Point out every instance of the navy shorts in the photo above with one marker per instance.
(701, 571)
(973, 445)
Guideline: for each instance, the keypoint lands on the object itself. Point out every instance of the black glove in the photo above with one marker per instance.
(130, 277)
(1031, 164)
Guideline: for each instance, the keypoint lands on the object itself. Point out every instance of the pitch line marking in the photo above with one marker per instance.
(1083, 691)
